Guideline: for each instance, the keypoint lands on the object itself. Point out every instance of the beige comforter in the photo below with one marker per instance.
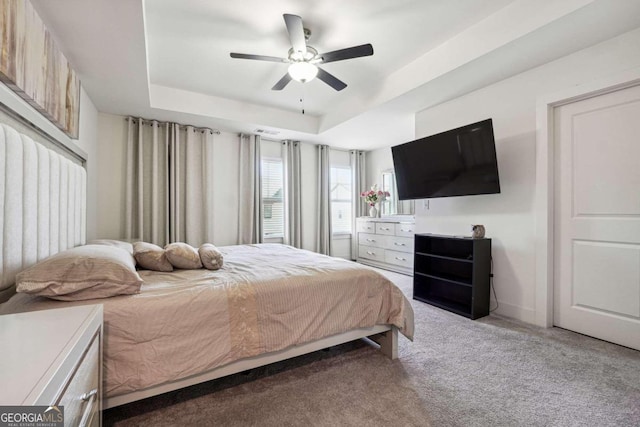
(265, 298)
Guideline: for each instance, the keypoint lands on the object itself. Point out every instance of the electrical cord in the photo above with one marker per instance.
(494, 289)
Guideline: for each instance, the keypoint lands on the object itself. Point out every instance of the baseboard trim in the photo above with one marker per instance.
(527, 315)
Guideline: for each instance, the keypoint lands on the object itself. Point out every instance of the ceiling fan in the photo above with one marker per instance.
(304, 59)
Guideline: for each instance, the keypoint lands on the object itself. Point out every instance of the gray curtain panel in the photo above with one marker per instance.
(191, 182)
(250, 200)
(324, 201)
(293, 194)
(169, 178)
(359, 179)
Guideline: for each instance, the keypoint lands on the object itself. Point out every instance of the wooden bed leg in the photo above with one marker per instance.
(389, 343)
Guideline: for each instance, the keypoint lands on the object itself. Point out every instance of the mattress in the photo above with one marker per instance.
(266, 298)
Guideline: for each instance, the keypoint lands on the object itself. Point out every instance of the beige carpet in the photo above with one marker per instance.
(458, 372)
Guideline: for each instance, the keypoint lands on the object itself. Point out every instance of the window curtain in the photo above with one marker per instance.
(358, 175)
(168, 182)
(323, 244)
(293, 194)
(190, 185)
(250, 200)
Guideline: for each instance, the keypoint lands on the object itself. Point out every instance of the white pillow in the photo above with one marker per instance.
(117, 243)
(81, 273)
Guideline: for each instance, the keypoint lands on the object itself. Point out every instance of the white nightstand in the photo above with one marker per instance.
(54, 358)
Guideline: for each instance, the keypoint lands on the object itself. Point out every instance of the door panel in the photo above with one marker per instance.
(606, 160)
(606, 277)
(597, 217)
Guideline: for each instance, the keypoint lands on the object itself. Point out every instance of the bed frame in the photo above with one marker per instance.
(384, 336)
(43, 211)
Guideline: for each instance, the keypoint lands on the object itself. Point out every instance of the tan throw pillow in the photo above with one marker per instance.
(210, 256)
(117, 243)
(85, 272)
(151, 257)
(182, 255)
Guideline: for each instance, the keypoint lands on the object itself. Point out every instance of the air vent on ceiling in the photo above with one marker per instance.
(267, 132)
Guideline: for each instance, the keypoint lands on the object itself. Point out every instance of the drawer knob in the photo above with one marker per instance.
(398, 244)
(371, 240)
(88, 395)
(401, 259)
(385, 228)
(371, 253)
(406, 231)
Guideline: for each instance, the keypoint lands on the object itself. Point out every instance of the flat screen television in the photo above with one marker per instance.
(458, 162)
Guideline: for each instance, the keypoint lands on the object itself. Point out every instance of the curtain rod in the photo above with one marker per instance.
(216, 131)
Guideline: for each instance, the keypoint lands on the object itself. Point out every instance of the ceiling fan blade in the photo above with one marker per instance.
(296, 32)
(348, 53)
(282, 82)
(258, 57)
(331, 80)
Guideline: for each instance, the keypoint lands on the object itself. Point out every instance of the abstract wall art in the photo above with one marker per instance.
(34, 67)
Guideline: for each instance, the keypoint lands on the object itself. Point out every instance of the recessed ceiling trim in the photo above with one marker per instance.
(172, 99)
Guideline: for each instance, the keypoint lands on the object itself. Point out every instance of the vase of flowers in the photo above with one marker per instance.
(373, 197)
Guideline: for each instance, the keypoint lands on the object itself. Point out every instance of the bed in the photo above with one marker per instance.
(268, 303)
(267, 298)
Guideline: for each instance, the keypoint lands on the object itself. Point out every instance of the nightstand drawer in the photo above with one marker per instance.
(368, 252)
(366, 227)
(400, 244)
(385, 228)
(80, 398)
(399, 258)
(405, 230)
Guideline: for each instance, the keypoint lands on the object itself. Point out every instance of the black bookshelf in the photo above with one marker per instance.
(453, 273)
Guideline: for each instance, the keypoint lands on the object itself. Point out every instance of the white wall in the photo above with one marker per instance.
(112, 136)
(377, 162)
(509, 216)
(88, 140)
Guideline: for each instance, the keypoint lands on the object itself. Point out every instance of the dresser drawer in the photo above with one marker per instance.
(401, 259)
(405, 230)
(385, 228)
(400, 244)
(81, 396)
(376, 240)
(366, 226)
(368, 252)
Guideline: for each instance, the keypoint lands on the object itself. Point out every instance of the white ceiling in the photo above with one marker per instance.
(169, 59)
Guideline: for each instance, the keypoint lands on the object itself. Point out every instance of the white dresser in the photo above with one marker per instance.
(387, 242)
(54, 358)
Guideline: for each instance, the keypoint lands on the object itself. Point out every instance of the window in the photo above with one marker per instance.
(272, 197)
(341, 200)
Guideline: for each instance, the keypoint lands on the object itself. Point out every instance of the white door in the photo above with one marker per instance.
(597, 217)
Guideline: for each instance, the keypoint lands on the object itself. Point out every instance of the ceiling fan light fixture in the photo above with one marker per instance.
(303, 71)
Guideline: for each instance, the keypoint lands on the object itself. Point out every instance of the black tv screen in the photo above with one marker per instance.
(458, 162)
